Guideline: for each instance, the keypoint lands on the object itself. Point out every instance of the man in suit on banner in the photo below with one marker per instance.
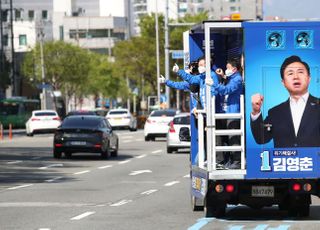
(295, 122)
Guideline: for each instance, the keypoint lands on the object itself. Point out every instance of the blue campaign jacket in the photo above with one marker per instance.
(200, 79)
(182, 85)
(234, 88)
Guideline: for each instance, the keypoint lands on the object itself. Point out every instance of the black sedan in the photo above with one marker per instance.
(85, 134)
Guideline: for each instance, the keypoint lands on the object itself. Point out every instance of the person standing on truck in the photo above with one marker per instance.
(184, 85)
(231, 88)
(295, 122)
(200, 80)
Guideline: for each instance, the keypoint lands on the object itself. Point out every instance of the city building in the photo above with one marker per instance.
(96, 25)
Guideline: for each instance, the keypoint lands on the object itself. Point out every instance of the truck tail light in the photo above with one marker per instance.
(296, 187)
(307, 187)
(230, 188)
(219, 188)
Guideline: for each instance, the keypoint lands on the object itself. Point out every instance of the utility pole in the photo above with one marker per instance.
(166, 50)
(157, 53)
(13, 74)
(44, 96)
(1, 44)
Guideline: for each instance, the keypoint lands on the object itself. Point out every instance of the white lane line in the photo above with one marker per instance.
(54, 179)
(83, 215)
(13, 162)
(82, 172)
(105, 166)
(186, 176)
(127, 141)
(140, 139)
(44, 229)
(141, 156)
(157, 151)
(121, 202)
(148, 192)
(124, 162)
(51, 166)
(133, 173)
(171, 183)
(20, 186)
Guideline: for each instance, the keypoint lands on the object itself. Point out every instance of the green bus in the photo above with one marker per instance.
(16, 111)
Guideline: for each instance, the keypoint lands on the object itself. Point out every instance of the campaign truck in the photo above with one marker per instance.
(275, 160)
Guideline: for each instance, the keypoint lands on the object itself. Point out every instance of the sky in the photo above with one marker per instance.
(292, 9)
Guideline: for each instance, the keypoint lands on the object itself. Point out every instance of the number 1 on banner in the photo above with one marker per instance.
(265, 160)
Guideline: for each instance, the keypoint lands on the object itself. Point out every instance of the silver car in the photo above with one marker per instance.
(178, 135)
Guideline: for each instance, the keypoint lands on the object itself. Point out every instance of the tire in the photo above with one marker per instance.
(114, 153)
(105, 153)
(169, 150)
(194, 205)
(56, 153)
(67, 155)
(216, 209)
(146, 138)
(304, 210)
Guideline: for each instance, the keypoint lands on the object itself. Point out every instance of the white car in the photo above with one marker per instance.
(178, 135)
(42, 121)
(122, 118)
(157, 123)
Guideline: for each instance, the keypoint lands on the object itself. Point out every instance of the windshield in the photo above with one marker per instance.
(161, 113)
(117, 112)
(45, 114)
(9, 108)
(80, 122)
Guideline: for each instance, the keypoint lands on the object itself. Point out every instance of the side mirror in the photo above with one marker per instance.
(184, 134)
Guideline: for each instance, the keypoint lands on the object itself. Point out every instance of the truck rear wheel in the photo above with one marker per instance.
(215, 209)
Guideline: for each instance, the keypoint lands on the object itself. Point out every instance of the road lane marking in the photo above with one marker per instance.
(20, 186)
(140, 139)
(124, 162)
(82, 172)
(127, 141)
(172, 183)
(121, 202)
(105, 166)
(54, 179)
(186, 176)
(236, 227)
(83, 215)
(148, 192)
(157, 151)
(13, 162)
(281, 227)
(261, 227)
(200, 223)
(141, 156)
(51, 166)
(134, 173)
(44, 229)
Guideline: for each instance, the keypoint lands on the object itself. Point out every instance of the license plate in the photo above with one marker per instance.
(262, 191)
(78, 143)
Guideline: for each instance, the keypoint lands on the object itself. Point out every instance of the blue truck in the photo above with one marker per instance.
(268, 173)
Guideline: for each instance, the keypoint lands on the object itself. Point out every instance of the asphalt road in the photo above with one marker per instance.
(142, 188)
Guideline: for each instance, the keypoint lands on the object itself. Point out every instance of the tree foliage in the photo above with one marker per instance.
(136, 58)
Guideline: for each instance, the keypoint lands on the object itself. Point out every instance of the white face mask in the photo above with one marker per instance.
(229, 72)
(201, 69)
